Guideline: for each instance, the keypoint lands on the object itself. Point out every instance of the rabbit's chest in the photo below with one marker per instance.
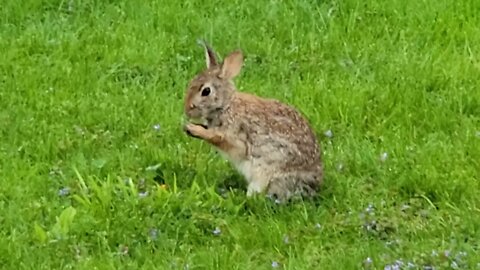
(244, 167)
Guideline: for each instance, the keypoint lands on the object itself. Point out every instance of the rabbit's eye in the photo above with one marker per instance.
(206, 91)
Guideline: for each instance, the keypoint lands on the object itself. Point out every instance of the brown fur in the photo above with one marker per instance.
(269, 142)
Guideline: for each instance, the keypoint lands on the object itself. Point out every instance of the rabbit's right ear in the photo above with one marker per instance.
(232, 65)
(210, 58)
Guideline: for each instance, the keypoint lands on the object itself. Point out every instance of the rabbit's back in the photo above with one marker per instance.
(277, 135)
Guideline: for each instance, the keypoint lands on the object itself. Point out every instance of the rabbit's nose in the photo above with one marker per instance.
(192, 106)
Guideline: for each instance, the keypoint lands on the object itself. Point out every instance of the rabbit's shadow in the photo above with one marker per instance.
(232, 181)
(235, 183)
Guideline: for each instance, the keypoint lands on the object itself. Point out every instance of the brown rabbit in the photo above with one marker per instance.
(270, 143)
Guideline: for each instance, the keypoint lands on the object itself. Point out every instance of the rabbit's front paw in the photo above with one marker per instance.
(193, 130)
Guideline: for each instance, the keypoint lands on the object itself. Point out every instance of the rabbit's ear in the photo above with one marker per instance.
(210, 57)
(232, 65)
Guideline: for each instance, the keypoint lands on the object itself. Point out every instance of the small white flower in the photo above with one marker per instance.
(64, 191)
(340, 167)
(461, 254)
(383, 156)
(368, 261)
(153, 233)
(410, 265)
(157, 127)
(391, 267)
(392, 243)
(399, 262)
(123, 250)
(370, 208)
(143, 194)
(275, 264)
(328, 134)
(217, 231)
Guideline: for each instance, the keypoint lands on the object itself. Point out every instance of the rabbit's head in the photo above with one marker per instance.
(210, 92)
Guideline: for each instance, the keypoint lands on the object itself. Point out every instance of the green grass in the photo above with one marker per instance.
(83, 83)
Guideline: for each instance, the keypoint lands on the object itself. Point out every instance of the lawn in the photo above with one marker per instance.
(96, 172)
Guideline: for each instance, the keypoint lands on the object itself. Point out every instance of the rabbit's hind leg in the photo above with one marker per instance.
(257, 186)
(284, 187)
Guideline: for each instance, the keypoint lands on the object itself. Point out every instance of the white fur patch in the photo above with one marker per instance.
(245, 167)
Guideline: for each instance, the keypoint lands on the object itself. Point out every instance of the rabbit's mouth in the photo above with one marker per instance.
(198, 121)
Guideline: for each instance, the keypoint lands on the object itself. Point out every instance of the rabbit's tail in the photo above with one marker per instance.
(305, 184)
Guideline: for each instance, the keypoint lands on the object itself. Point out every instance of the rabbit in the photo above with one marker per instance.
(270, 143)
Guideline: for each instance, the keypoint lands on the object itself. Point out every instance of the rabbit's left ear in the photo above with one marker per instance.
(232, 65)
(210, 58)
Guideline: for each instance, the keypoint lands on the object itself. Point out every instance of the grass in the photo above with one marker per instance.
(90, 130)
